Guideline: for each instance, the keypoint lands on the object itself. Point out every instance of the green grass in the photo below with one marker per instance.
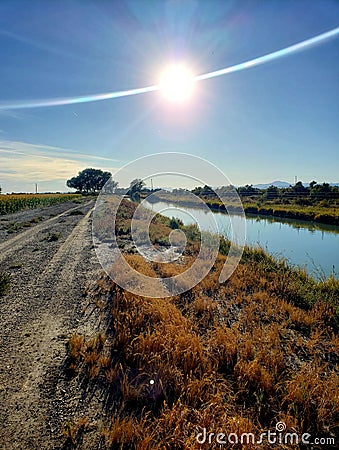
(5, 281)
(321, 214)
(52, 237)
(15, 266)
(328, 215)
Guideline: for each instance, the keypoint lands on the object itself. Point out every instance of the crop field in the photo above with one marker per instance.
(16, 202)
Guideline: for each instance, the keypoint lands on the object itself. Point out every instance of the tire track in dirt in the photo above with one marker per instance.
(18, 241)
(34, 333)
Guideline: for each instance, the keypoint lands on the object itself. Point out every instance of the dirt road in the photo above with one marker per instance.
(50, 259)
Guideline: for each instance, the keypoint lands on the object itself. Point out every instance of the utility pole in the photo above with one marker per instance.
(151, 185)
(36, 188)
(295, 179)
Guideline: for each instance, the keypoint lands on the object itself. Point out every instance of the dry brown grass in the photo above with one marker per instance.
(73, 430)
(236, 357)
(312, 396)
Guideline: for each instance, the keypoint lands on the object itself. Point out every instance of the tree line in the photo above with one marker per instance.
(298, 193)
(91, 182)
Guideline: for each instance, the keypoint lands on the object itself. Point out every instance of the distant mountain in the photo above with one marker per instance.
(278, 184)
(284, 184)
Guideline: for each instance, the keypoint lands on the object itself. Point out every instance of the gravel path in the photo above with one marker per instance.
(50, 264)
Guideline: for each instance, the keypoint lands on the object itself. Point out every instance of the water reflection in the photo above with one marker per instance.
(313, 246)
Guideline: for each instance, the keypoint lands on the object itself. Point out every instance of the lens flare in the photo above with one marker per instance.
(139, 282)
(177, 83)
(300, 46)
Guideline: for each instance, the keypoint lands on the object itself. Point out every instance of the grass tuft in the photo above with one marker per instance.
(5, 282)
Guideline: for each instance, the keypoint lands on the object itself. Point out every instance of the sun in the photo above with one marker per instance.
(177, 83)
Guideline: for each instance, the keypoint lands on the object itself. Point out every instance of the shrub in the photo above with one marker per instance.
(175, 223)
(52, 237)
(76, 212)
(192, 232)
(5, 281)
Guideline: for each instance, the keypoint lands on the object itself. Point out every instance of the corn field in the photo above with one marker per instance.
(16, 202)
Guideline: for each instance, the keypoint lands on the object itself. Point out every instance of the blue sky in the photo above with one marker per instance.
(265, 123)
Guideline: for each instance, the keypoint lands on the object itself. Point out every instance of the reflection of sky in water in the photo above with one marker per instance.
(313, 246)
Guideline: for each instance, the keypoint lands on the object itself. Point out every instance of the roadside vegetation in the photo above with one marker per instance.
(12, 203)
(236, 357)
(5, 282)
(52, 236)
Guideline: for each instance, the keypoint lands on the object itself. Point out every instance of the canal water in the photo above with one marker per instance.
(309, 245)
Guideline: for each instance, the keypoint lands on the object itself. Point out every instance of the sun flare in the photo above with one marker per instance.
(177, 83)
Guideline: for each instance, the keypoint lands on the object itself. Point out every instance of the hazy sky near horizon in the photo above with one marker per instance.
(269, 122)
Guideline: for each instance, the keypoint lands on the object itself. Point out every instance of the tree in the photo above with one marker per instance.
(272, 192)
(323, 191)
(176, 223)
(135, 188)
(299, 189)
(247, 190)
(110, 187)
(89, 181)
(207, 191)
